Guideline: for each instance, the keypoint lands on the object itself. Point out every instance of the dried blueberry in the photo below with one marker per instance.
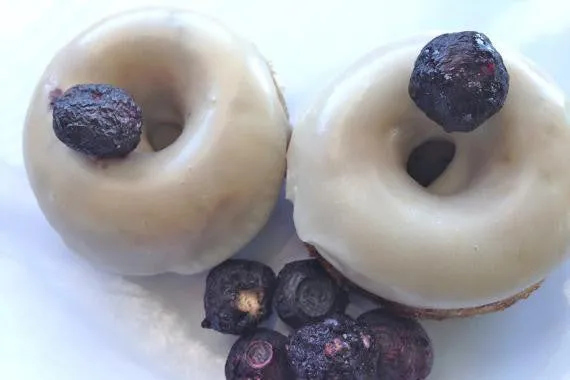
(98, 120)
(404, 350)
(337, 348)
(238, 296)
(459, 81)
(306, 293)
(260, 355)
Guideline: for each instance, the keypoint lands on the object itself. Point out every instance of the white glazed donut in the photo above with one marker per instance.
(177, 203)
(495, 223)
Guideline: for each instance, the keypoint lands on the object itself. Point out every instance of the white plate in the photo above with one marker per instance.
(60, 319)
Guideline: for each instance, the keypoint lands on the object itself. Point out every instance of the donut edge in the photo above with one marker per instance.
(278, 87)
(422, 313)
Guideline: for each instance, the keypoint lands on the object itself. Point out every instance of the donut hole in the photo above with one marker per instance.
(163, 120)
(429, 160)
(444, 164)
(162, 135)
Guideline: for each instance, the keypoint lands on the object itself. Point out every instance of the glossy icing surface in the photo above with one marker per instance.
(495, 222)
(180, 207)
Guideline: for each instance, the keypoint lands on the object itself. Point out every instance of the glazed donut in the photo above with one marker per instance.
(493, 224)
(211, 161)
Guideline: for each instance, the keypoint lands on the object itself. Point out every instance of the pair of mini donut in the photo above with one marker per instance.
(209, 141)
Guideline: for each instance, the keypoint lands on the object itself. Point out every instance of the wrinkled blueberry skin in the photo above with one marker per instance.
(98, 120)
(459, 81)
(337, 348)
(240, 367)
(306, 294)
(223, 286)
(404, 350)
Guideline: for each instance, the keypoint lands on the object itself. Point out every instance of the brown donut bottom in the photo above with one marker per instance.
(421, 313)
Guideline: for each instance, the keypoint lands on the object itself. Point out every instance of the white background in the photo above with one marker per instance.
(59, 319)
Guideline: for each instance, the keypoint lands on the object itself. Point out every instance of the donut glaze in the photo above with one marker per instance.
(207, 173)
(493, 224)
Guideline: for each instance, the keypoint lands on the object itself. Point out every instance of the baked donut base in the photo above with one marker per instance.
(421, 313)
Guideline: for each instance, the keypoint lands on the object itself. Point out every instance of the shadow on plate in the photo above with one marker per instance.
(182, 295)
(520, 341)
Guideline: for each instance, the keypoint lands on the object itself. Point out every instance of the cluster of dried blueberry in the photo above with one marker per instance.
(325, 342)
(242, 293)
